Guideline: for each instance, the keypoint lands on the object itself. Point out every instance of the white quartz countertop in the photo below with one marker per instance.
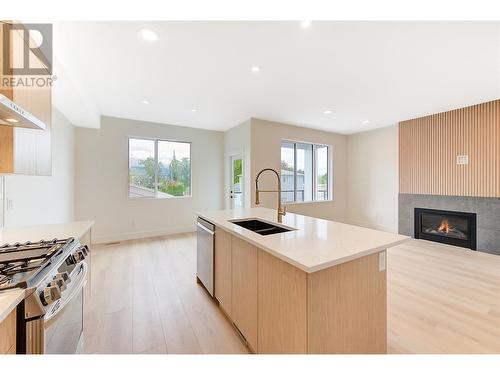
(47, 232)
(9, 299)
(316, 244)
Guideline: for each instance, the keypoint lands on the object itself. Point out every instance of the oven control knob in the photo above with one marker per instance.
(50, 294)
(65, 276)
(70, 260)
(84, 250)
(59, 281)
(79, 255)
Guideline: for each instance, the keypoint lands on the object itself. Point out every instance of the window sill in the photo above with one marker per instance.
(307, 202)
(158, 198)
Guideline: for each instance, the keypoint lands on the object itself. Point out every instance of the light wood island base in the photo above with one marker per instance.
(8, 334)
(347, 308)
(279, 308)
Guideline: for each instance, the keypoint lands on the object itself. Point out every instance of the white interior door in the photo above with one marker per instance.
(236, 183)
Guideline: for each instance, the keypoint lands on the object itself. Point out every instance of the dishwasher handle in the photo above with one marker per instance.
(201, 226)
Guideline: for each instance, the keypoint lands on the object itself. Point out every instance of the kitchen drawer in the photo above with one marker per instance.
(8, 334)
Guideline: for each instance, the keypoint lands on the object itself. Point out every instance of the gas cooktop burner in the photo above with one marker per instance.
(52, 274)
(20, 263)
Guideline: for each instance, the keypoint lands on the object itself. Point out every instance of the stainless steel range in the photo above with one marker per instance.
(53, 273)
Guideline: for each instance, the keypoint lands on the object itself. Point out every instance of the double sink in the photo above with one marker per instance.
(263, 228)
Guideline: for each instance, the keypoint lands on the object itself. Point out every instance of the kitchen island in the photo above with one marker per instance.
(318, 288)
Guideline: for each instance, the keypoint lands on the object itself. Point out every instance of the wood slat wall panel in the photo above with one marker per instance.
(429, 146)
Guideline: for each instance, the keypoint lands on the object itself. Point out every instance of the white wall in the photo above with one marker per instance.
(365, 177)
(45, 199)
(102, 180)
(266, 152)
(237, 141)
(373, 179)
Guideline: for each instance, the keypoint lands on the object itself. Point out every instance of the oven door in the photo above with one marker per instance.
(64, 318)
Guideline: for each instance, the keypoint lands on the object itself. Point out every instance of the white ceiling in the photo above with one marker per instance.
(383, 72)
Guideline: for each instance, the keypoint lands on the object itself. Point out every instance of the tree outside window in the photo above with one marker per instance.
(159, 168)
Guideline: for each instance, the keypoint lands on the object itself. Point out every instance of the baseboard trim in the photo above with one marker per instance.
(142, 234)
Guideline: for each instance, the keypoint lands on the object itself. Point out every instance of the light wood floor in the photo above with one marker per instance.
(442, 299)
(145, 300)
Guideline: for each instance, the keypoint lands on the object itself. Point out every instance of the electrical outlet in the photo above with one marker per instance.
(381, 261)
(462, 159)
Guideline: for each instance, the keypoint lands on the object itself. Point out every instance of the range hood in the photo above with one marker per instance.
(13, 115)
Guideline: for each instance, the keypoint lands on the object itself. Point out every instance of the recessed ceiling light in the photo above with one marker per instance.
(366, 122)
(305, 24)
(148, 35)
(255, 68)
(145, 102)
(327, 112)
(194, 110)
(13, 120)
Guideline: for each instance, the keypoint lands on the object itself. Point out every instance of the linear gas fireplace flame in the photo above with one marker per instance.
(447, 229)
(450, 227)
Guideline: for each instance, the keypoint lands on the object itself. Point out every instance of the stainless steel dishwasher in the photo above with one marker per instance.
(205, 254)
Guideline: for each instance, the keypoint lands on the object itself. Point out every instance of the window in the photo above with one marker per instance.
(159, 168)
(304, 172)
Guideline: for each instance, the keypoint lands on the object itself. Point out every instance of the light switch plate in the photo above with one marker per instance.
(462, 159)
(382, 261)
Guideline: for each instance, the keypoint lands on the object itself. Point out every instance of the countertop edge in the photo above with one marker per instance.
(88, 225)
(6, 310)
(301, 266)
(361, 254)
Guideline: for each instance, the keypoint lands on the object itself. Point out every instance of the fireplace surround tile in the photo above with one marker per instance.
(487, 210)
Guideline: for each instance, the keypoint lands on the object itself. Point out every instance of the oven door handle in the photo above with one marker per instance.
(69, 294)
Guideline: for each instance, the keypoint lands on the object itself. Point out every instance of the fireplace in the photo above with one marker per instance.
(449, 227)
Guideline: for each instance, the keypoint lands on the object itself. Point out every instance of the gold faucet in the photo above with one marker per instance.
(281, 210)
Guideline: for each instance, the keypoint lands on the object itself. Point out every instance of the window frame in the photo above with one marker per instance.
(156, 140)
(329, 168)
